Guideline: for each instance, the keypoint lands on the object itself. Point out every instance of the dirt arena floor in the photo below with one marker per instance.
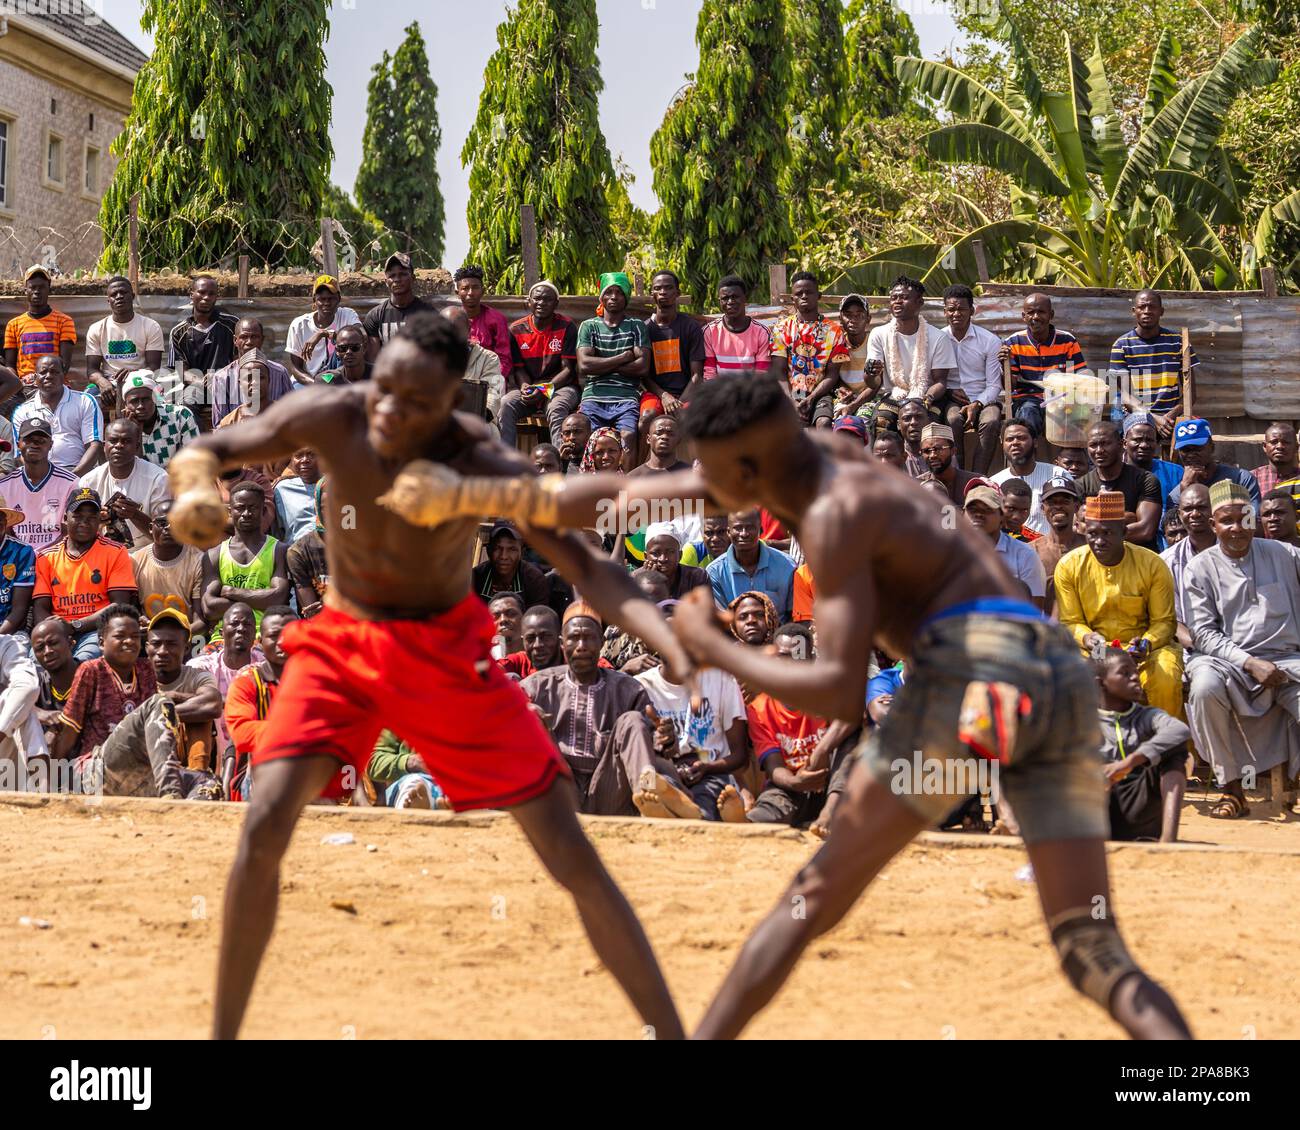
(431, 925)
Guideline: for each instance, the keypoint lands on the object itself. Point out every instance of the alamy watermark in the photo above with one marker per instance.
(944, 776)
(621, 516)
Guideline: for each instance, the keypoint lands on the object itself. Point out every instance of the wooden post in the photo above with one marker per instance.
(1268, 281)
(243, 276)
(328, 254)
(528, 238)
(638, 283)
(133, 244)
(981, 263)
(1186, 409)
(776, 283)
(1006, 388)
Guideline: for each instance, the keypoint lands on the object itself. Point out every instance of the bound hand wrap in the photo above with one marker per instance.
(197, 516)
(429, 494)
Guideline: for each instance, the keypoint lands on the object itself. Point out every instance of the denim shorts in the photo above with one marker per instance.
(621, 414)
(1052, 775)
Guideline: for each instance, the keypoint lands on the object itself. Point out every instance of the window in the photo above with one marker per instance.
(54, 105)
(53, 160)
(90, 128)
(5, 136)
(91, 187)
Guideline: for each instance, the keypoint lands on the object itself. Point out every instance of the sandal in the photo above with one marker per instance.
(1230, 807)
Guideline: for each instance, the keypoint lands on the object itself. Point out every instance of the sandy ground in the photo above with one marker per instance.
(454, 931)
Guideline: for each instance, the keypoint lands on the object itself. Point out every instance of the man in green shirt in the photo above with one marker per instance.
(249, 567)
(613, 352)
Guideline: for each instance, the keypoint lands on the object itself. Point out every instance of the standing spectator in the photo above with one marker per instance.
(39, 331)
(17, 576)
(1149, 361)
(248, 701)
(384, 320)
(75, 421)
(983, 506)
(130, 486)
(164, 428)
(975, 386)
(249, 566)
(56, 667)
(663, 552)
(1034, 352)
(295, 495)
(507, 612)
(226, 662)
(226, 384)
(487, 325)
(350, 364)
(1277, 517)
(1243, 601)
(192, 692)
(676, 351)
(1016, 500)
(613, 357)
(1280, 449)
(200, 344)
(309, 570)
(167, 573)
(749, 565)
(664, 436)
(309, 347)
(1061, 501)
(575, 434)
(1142, 498)
(735, 343)
(38, 488)
(1018, 446)
(807, 353)
(82, 575)
(1194, 446)
(915, 358)
(121, 343)
(543, 353)
(1194, 510)
(1114, 590)
(938, 450)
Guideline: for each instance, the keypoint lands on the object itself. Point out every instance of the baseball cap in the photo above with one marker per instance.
(851, 299)
(1191, 433)
(171, 614)
(329, 282)
(503, 529)
(1061, 484)
(35, 424)
(398, 257)
(80, 497)
(36, 269)
(982, 490)
(141, 378)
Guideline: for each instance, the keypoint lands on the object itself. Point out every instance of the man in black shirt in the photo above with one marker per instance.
(677, 342)
(1141, 489)
(202, 343)
(386, 319)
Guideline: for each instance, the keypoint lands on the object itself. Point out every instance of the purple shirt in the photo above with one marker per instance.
(491, 330)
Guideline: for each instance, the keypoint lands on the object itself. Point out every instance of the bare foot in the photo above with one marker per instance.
(665, 793)
(821, 827)
(414, 795)
(648, 804)
(731, 806)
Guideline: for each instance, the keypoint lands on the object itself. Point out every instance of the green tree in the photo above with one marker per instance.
(364, 232)
(537, 140)
(719, 151)
(816, 105)
(227, 142)
(875, 33)
(398, 179)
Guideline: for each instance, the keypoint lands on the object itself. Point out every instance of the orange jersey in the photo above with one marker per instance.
(78, 586)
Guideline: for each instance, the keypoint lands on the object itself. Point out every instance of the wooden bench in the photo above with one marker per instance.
(530, 431)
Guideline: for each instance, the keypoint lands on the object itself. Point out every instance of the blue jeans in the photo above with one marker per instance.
(86, 646)
(1030, 411)
(621, 414)
(706, 792)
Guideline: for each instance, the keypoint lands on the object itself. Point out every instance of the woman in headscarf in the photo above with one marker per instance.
(604, 452)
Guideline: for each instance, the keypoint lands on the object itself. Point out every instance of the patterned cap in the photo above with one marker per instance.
(1132, 420)
(83, 495)
(937, 431)
(581, 608)
(1060, 484)
(1227, 493)
(141, 378)
(1191, 433)
(398, 257)
(325, 282)
(1108, 506)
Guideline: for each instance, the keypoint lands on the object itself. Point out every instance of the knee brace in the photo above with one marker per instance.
(1093, 955)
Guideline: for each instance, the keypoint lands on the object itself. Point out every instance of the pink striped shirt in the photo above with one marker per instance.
(728, 352)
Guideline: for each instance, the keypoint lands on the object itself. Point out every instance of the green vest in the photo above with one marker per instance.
(256, 574)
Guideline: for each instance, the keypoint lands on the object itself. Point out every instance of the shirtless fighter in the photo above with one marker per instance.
(404, 644)
(990, 677)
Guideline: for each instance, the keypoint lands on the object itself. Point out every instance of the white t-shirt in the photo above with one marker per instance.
(146, 484)
(939, 347)
(75, 423)
(42, 504)
(1037, 479)
(705, 729)
(123, 345)
(303, 328)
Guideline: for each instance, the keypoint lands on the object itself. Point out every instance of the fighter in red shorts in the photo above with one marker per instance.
(404, 644)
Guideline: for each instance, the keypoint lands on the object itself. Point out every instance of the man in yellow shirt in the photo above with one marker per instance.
(1111, 590)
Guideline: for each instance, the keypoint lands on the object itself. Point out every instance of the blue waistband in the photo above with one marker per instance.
(1004, 607)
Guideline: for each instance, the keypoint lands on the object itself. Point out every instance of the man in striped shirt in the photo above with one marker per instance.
(1149, 358)
(735, 343)
(1034, 352)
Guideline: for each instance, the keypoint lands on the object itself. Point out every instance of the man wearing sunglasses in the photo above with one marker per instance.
(350, 345)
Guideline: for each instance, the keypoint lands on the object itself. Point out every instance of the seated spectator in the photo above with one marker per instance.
(309, 571)
(575, 436)
(915, 358)
(597, 718)
(249, 699)
(544, 366)
(1277, 517)
(539, 643)
(164, 428)
(805, 594)
(1243, 604)
(168, 574)
(228, 386)
(351, 365)
(1073, 461)
(713, 543)
(37, 488)
(249, 567)
(808, 351)
(193, 692)
(624, 651)
(1017, 499)
(859, 395)
(1143, 501)
(121, 344)
(39, 331)
(1142, 448)
(749, 565)
(663, 554)
(913, 416)
(754, 619)
(75, 422)
(1034, 352)
(983, 507)
(974, 400)
(1174, 529)
(22, 740)
(130, 486)
(507, 611)
(1280, 449)
(483, 366)
(1018, 447)
(56, 667)
(1194, 512)
(225, 662)
(295, 495)
(1145, 751)
(604, 453)
(676, 353)
(735, 342)
(546, 459)
(82, 575)
(1194, 446)
(17, 576)
(888, 448)
(613, 359)
(1061, 500)
(398, 769)
(853, 429)
(309, 346)
(506, 571)
(662, 437)
(1112, 590)
(938, 449)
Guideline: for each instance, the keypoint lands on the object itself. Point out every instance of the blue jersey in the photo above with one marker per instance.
(17, 568)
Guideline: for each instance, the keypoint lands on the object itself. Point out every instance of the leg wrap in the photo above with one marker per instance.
(1092, 953)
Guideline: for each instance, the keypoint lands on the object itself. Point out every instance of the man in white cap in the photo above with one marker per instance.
(164, 428)
(544, 350)
(309, 344)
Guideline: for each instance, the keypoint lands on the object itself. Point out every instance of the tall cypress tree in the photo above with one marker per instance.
(398, 179)
(875, 31)
(227, 142)
(537, 140)
(817, 106)
(721, 148)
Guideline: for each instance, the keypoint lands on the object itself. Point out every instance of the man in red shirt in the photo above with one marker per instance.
(249, 698)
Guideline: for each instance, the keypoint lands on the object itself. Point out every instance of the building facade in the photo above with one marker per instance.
(66, 78)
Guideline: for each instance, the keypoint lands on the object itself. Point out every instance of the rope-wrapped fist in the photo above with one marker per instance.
(427, 494)
(197, 516)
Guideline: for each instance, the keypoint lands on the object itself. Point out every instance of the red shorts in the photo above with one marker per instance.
(651, 403)
(432, 682)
